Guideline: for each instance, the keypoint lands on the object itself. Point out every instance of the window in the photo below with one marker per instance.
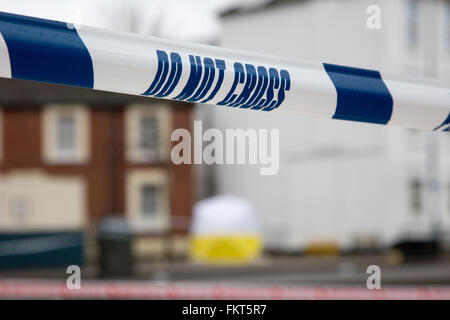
(147, 199)
(416, 197)
(413, 23)
(147, 133)
(65, 133)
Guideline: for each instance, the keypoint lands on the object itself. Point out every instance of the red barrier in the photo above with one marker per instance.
(49, 289)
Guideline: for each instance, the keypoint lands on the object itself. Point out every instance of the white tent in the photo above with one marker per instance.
(225, 228)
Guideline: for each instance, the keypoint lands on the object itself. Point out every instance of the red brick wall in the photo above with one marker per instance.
(21, 138)
(183, 184)
(106, 169)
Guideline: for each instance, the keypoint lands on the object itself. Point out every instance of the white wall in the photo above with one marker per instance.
(337, 179)
(27, 202)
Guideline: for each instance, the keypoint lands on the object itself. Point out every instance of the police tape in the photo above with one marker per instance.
(57, 289)
(57, 52)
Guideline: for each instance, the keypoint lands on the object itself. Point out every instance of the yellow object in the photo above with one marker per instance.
(322, 248)
(395, 256)
(226, 248)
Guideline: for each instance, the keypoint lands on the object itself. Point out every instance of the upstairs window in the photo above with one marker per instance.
(65, 134)
(148, 129)
(149, 136)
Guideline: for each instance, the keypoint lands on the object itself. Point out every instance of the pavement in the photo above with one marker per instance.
(274, 270)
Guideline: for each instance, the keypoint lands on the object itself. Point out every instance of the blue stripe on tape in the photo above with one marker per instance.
(362, 94)
(445, 123)
(57, 55)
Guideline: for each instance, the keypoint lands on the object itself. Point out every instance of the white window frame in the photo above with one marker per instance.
(136, 179)
(51, 153)
(133, 114)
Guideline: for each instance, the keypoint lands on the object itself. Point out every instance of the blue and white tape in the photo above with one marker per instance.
(54, 52)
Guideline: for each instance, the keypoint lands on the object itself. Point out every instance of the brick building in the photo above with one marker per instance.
(69, 156)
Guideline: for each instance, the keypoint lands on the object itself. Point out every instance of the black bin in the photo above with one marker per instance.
(115, 244)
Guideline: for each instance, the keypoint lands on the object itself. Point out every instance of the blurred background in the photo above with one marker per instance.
(86, 177)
